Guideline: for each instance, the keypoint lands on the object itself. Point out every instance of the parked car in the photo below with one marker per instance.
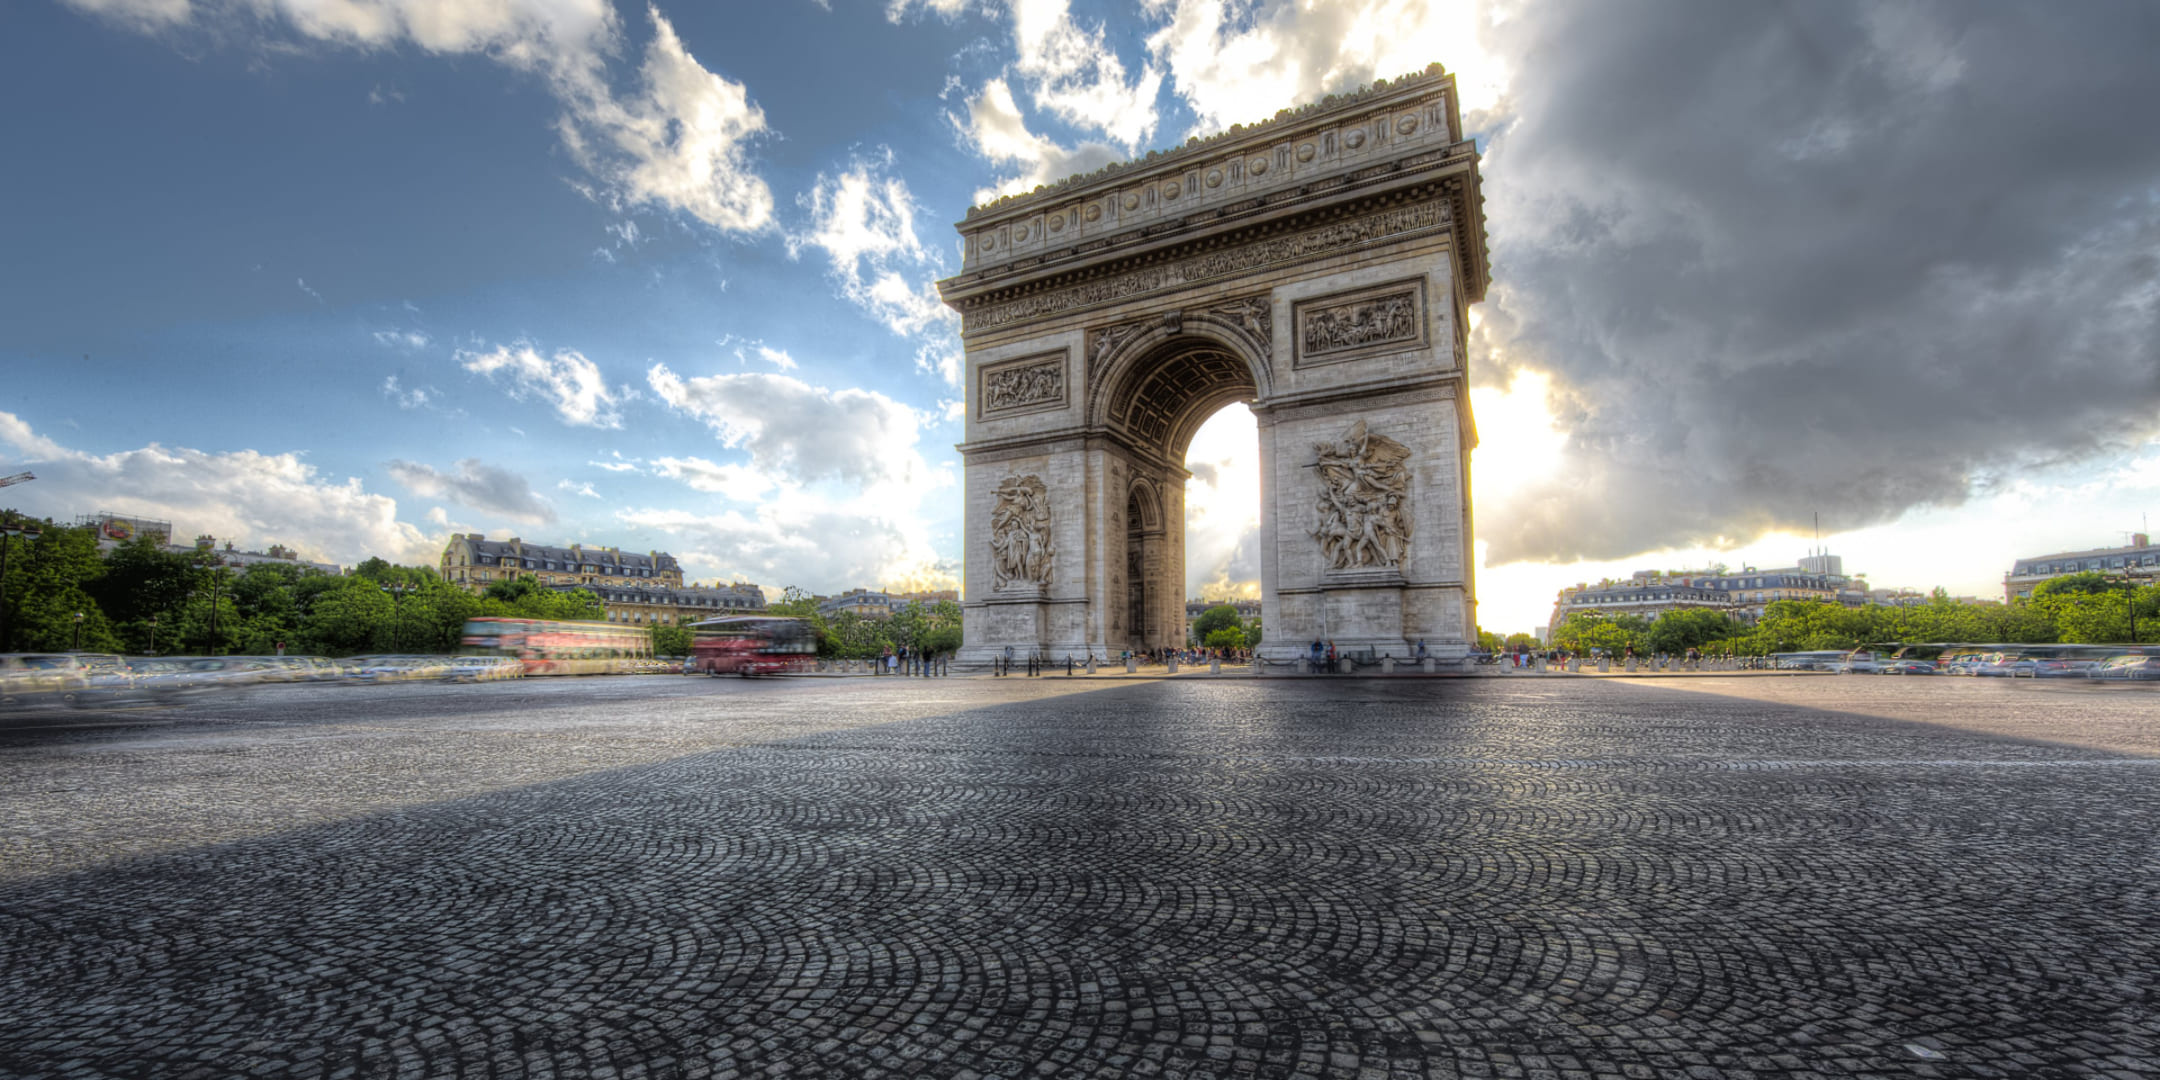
(2132, 668)
(1907, 667)
(42, 679)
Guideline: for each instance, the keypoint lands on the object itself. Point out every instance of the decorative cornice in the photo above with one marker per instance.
(1206, 260)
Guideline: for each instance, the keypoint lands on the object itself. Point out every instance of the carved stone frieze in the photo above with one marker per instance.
(1394, 223)
(1021, 547)
(1025, 384)
(1363, 501)
(1347, 325)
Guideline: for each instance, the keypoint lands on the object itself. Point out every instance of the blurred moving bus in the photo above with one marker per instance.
(556, 647)
(751, 645)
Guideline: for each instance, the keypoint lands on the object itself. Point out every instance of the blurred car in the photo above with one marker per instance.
(2130, 668)
(2008, 667)
(1906, 667)
(2062, 668)
(108, 677)
(169, 678)
(42, 679)
(1860, 662)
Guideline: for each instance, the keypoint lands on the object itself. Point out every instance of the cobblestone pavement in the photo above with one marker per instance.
(1088, 878)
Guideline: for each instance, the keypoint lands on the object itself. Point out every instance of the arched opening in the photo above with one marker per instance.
(1158, 400)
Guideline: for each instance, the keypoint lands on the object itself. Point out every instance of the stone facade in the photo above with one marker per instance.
(1316, 267)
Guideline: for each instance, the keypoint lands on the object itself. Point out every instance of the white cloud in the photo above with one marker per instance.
(821, 548)
(250, 498)
(1222, 507)
(1075, 75)
(896, 10)
(680, 140)
(619, 464)
(478, 485)
(1236, 62)
(142, 15)
(575, 488)
(418, 397)
(302, 282)
(995, 128)
(402, 339)
(777, 358)
(801, 432)
(864, 222)
(739, 482)
(567, 380)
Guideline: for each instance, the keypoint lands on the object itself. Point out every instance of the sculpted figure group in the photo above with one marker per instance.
(1364, 487)
(1388, 318)
(1020, 543)
(1015, 387)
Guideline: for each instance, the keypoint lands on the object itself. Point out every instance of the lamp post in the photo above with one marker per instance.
(217, 580)
(13, 528)
(397, 620)
(153, 637)
(78, 632)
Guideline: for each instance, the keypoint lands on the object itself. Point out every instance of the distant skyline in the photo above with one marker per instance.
(356, 276)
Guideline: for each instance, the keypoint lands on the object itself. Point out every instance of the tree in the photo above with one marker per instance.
(1219, 617)
(1687, 628)
(670, 640)
(1228, 637)
(1520, 643)
(1487, 641)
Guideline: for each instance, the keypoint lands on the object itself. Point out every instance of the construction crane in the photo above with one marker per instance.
(15, 479)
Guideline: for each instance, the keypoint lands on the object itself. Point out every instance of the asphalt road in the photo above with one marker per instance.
(666, 877)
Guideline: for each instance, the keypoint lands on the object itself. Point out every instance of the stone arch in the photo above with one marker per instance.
(1204, 356)
(1318, 267)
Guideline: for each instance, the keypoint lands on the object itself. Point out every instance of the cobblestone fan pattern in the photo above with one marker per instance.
(1016, 878)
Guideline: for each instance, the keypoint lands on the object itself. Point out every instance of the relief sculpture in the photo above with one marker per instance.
(1016, 387)
(1383, 318)
(1020, 544)
(1364, 489)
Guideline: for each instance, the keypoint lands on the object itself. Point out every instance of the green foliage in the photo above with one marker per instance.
(2089, 583)
(1487, 641)
(1520, 643)
(1226, 637)
(670, 640)
(1687, 628)
(1216, 618)
(1587, 630)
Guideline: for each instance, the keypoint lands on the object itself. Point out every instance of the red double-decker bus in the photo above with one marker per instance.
(751, 645)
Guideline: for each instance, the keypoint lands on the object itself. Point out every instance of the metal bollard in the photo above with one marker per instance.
(1214, 666)
(1068, 666)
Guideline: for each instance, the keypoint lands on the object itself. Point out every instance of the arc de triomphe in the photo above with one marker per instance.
(1317, 267)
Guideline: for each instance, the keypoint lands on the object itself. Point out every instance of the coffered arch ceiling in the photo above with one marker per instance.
(1166, 394)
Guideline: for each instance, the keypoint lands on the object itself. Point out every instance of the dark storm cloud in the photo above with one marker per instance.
(1855, 258)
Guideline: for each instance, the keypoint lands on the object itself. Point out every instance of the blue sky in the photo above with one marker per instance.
(352, 275)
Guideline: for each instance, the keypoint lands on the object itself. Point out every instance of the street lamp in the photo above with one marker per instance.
(12, 528)
(217, 580)
(397, 621)
(153, 637)
(78, 633)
